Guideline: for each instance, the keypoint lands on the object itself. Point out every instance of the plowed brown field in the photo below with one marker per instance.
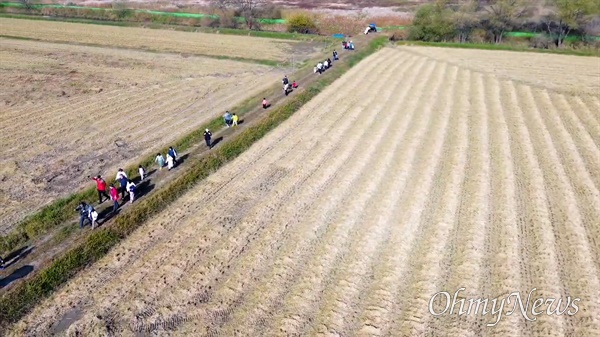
(72, 111)
(408, 176)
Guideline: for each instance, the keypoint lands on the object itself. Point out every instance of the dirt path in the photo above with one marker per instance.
(26, 261)
(406, 177)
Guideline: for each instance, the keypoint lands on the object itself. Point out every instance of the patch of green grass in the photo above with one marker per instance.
(20, 300)
(507, 47)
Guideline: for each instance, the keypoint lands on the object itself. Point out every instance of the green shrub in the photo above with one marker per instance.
(301, 23)
(432, 23)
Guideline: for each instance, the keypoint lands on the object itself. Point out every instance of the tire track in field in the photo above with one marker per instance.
(579, 271)
(266, 298)
(259, 217)
(446, 167)
(261, 149)
(582, 140)
(464, 261)
(539, 254)
(301, 302)
(503, 253)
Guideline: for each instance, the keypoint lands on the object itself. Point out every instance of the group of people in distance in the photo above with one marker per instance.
(348, 45)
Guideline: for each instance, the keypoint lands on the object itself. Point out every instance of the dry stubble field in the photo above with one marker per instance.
(150, 39)
(70, 111)
(408, 176)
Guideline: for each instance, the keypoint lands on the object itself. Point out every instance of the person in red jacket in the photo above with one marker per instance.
(101, 187)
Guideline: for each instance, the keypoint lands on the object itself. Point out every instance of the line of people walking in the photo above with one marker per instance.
(127, 187)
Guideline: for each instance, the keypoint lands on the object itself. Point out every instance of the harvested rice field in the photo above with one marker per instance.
(412, 175)
(73, 111)
(152, 39)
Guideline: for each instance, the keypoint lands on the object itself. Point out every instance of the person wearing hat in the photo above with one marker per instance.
(207, 136)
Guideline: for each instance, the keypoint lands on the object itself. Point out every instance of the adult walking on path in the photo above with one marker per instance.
(101, 187)
(114, 196)
(160, 160)
(172, 153)
(83, 210)
(207, 137)
(122, 178)
(228, 118)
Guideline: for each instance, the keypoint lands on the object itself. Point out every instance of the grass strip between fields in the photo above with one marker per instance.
(504, 47)
(21, 299)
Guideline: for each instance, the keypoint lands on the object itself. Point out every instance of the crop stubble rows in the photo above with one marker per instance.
(149, 39)
(50, 144)
(347, 218)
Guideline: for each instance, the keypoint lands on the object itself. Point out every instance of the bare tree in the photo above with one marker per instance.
(465, 19)
(502, 15)
(249, 10)
(568, 15)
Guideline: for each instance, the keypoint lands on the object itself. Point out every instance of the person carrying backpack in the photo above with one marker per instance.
(101, 187)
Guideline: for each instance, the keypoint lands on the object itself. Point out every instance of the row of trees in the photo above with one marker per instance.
(442, 21)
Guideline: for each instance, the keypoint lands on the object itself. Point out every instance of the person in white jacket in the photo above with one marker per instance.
(131, 188)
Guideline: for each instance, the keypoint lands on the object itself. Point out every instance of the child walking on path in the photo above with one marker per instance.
(235, 119)
(170, 162)
(93, 216)
(142, 172)
(131, 188)
(160, 160)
